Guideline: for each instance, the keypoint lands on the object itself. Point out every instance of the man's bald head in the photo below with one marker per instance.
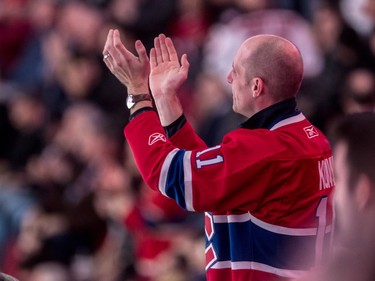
(276, 61)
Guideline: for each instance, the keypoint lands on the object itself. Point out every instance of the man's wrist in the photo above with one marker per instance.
(169, 109)
(133, 99)
(140, 89)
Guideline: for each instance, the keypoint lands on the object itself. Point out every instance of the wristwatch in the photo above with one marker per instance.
(132, 99)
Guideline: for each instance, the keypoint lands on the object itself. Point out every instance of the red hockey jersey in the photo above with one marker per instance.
(266, 192)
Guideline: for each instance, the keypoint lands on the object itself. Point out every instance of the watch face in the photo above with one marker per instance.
(130, 101)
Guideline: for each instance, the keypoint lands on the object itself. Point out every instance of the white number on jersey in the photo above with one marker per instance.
(215, 160)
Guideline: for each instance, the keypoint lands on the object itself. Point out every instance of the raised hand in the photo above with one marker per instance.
(167, 74)
(131, 70)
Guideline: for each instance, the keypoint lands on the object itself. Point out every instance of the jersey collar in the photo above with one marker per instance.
(270, 116)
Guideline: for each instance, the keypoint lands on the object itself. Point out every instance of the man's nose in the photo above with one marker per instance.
(229, 77)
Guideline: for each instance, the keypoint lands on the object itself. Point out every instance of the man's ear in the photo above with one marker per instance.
(257, 87)
(364, 192)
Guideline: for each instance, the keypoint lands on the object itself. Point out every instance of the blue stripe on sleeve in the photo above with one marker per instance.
(175, 186)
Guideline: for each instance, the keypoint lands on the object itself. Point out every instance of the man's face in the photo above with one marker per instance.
(241, 88)
(347, 214)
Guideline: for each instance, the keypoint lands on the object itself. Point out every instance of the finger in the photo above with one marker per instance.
(107, 49)
(116, 42)
(107, 45)
(120, 49)
(163, 48)
(153, 61)
(142, 53)
(159, 58)
(171, 49)
(185, 65)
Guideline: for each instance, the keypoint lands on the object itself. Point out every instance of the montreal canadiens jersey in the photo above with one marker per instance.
(266, 193)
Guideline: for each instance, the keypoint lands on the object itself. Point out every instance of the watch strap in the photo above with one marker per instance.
(133, 99)
(140, 97)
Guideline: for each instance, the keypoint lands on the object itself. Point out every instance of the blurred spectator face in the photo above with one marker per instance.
(80, 24)
(327, 25)
(12, 8)
(114, 197)
(69, 135)
(368, 9)
(81, 74)
(51, 166)
(26, 113)
(37, 226)
(83, 133)
(124, 12)
(42, 13)
(359, 92)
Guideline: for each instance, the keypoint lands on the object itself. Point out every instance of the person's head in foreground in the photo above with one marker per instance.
(353, 139)
(354, 152)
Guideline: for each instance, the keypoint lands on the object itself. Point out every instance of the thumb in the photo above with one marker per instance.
(185, 64)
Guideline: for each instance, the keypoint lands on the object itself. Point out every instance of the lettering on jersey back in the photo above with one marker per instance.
(326, 175)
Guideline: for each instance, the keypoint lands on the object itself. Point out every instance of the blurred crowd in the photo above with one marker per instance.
(72, 204)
